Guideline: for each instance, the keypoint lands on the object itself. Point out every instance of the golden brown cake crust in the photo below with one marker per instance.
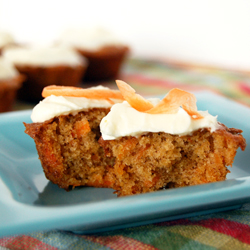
(159, 160)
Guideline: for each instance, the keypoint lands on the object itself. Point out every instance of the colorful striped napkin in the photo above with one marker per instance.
(227, 230)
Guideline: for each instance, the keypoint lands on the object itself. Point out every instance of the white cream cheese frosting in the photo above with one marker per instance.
(53, 106)
(92, 38)
(7, 70)
(123, 120)
(44, 56)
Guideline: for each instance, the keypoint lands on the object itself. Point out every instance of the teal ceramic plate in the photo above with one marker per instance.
(29, 202)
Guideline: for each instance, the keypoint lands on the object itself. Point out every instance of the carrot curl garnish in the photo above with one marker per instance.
(168, 105)
(173, 100)
(106, 94)
(136, 101)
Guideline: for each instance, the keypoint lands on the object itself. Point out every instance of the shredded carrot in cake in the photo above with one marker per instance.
(82, 127)
(169, 104)
(106, 94)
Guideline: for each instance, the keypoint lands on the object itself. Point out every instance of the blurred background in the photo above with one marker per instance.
(207, 32)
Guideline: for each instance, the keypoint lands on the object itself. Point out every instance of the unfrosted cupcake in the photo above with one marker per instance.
(10, 82)
(5, 40)
(45, 66)
(104, 51)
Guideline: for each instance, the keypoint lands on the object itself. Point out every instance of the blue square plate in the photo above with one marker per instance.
(29, 202)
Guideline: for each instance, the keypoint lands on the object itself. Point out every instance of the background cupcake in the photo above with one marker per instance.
(10, 82)
(45, 66)
(104, 51)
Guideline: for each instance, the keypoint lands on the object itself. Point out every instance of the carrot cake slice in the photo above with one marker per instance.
(66, 131)
(92, 137)
(165, 143)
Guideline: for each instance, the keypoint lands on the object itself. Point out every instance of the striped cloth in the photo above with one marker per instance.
(153, 77)
(227, 230)
(224, 230)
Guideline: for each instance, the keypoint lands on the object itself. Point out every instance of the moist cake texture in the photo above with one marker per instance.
(69, 151)
(159, 160)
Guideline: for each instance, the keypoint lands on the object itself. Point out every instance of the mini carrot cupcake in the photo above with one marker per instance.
(117, 139)
(104, 51)
(45, 66)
